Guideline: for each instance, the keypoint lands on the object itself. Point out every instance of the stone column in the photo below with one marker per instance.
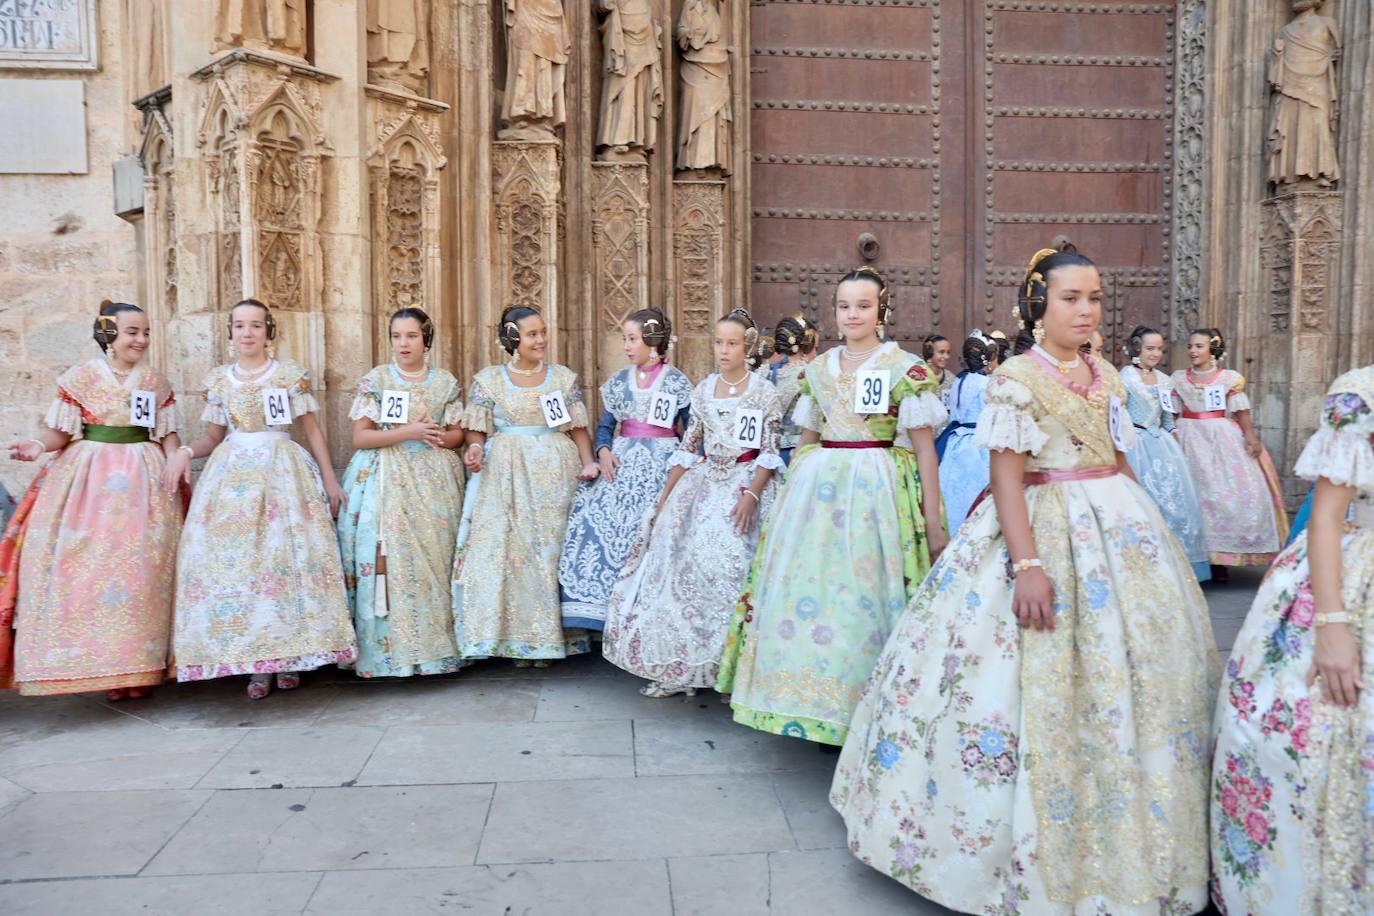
(620, 252)
(526, 190)
(699, 235)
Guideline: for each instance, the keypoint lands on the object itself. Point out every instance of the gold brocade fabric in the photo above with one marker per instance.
(1009, 771)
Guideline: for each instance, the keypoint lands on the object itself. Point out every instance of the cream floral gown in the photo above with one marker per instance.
(997, 770)
(1293, 776)
(259, 584)
(505, 575)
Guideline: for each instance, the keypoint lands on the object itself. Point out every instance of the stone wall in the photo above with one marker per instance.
(62, 250)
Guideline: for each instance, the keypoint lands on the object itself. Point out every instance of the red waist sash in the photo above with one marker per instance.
(633, 429)
(1032, 478)
(863, 443)
(1205, 415)
(747, 456)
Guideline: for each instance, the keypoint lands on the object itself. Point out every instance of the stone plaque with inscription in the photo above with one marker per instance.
(48, 35)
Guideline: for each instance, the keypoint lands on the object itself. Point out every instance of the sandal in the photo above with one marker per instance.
(658, 691)
(117, 694)
(288, 680)
(259, 686)
(139, 693)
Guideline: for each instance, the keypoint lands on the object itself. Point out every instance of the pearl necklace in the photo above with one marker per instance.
(860, 357)
(1063, 365)
(412, 376)
(734, 386)
(535, 371)
(247, 375)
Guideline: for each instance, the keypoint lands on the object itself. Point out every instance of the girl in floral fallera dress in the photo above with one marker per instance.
(671, 606)
(1157, 460)
(403, 503)
(1058, 768)
(1293, 776)
(86, 567)
(853, 531)
(527, 438)
(259, 586)
(648, 400)
(1242, 505)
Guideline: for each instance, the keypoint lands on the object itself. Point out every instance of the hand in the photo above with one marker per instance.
(609, 462)
(424, 431)
(472, 458)
(1252, 445)
(590, 471)
(1032, 599)
(1336, 660)
(936, 539)
(336, 496)
(28, 450)
(177, 467)
(745, 513)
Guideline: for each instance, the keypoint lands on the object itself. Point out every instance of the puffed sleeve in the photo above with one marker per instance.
(1008, 420)
(64, 414)
(1236, 398)
(769, 455)
(215, 412)
(453, 406)
(917, 394)
(478, 415)
(169, 419)
(806, 414)
(1341, 450)
(367, 402)
(302, 398)
(577, 405)
(689, 450)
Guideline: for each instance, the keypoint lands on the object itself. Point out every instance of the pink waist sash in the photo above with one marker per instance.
(637, 430)
(1031, 478)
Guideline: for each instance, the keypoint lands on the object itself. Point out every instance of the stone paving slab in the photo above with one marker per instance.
(295, 758)
(193, 895)
(129, 755)
(271, 830)
(430, 701)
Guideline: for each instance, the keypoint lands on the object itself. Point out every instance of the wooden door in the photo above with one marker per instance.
(961, 135)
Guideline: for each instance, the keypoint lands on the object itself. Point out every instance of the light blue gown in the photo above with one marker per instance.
(1162, 469)
(964, 466)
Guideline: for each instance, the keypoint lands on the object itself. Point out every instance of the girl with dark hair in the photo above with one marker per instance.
(648, 400)
(1242, 504)
(1035, 769)
(937, 351)
(1003, 348)
(963, 465)
(671, 606)
(86, 562)
(527, 437)
(403, 503)
(794, 346)
(1157, 460)
(854, 529)
(259, 587)
(1294, 759)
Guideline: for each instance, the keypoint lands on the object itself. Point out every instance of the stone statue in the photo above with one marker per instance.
(537, 50)
(1306, 105)
(147, 30)
(266, 25)
(703, 139)
(398, 44)
(632, 92)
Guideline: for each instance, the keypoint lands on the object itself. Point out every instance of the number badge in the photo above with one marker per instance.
(143, 408)
(1214, 397)
(748, 428)
(396, 407)
(870, 391)
(1166, 398)
(1115, 423)
(276, 406)
(661, 410)
(555, 409)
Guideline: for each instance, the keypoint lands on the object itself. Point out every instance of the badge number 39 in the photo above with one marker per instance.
(276, 406)
(555, 409)
(396, 407)
(870, 391)
(748, 428)
(143, 409)
(661, 410)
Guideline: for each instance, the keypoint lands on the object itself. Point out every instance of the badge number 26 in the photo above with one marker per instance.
(748, 428)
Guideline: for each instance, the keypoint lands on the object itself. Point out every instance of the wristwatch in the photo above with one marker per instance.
(1020, 566)
(1323, 618)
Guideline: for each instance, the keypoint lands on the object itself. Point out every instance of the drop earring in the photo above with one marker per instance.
(1038, 332)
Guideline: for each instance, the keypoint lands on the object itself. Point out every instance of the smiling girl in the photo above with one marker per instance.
(855, 528)
(259, 586)
(403, 503)
(671, 606)
(526, 440)
(92, 546)
(647, 403)
(1038, 720)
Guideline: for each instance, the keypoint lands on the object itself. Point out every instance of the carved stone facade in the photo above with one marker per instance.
(344, 159)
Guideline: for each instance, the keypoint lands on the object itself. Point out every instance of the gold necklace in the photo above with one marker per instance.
(734, 386)
(535, 371)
